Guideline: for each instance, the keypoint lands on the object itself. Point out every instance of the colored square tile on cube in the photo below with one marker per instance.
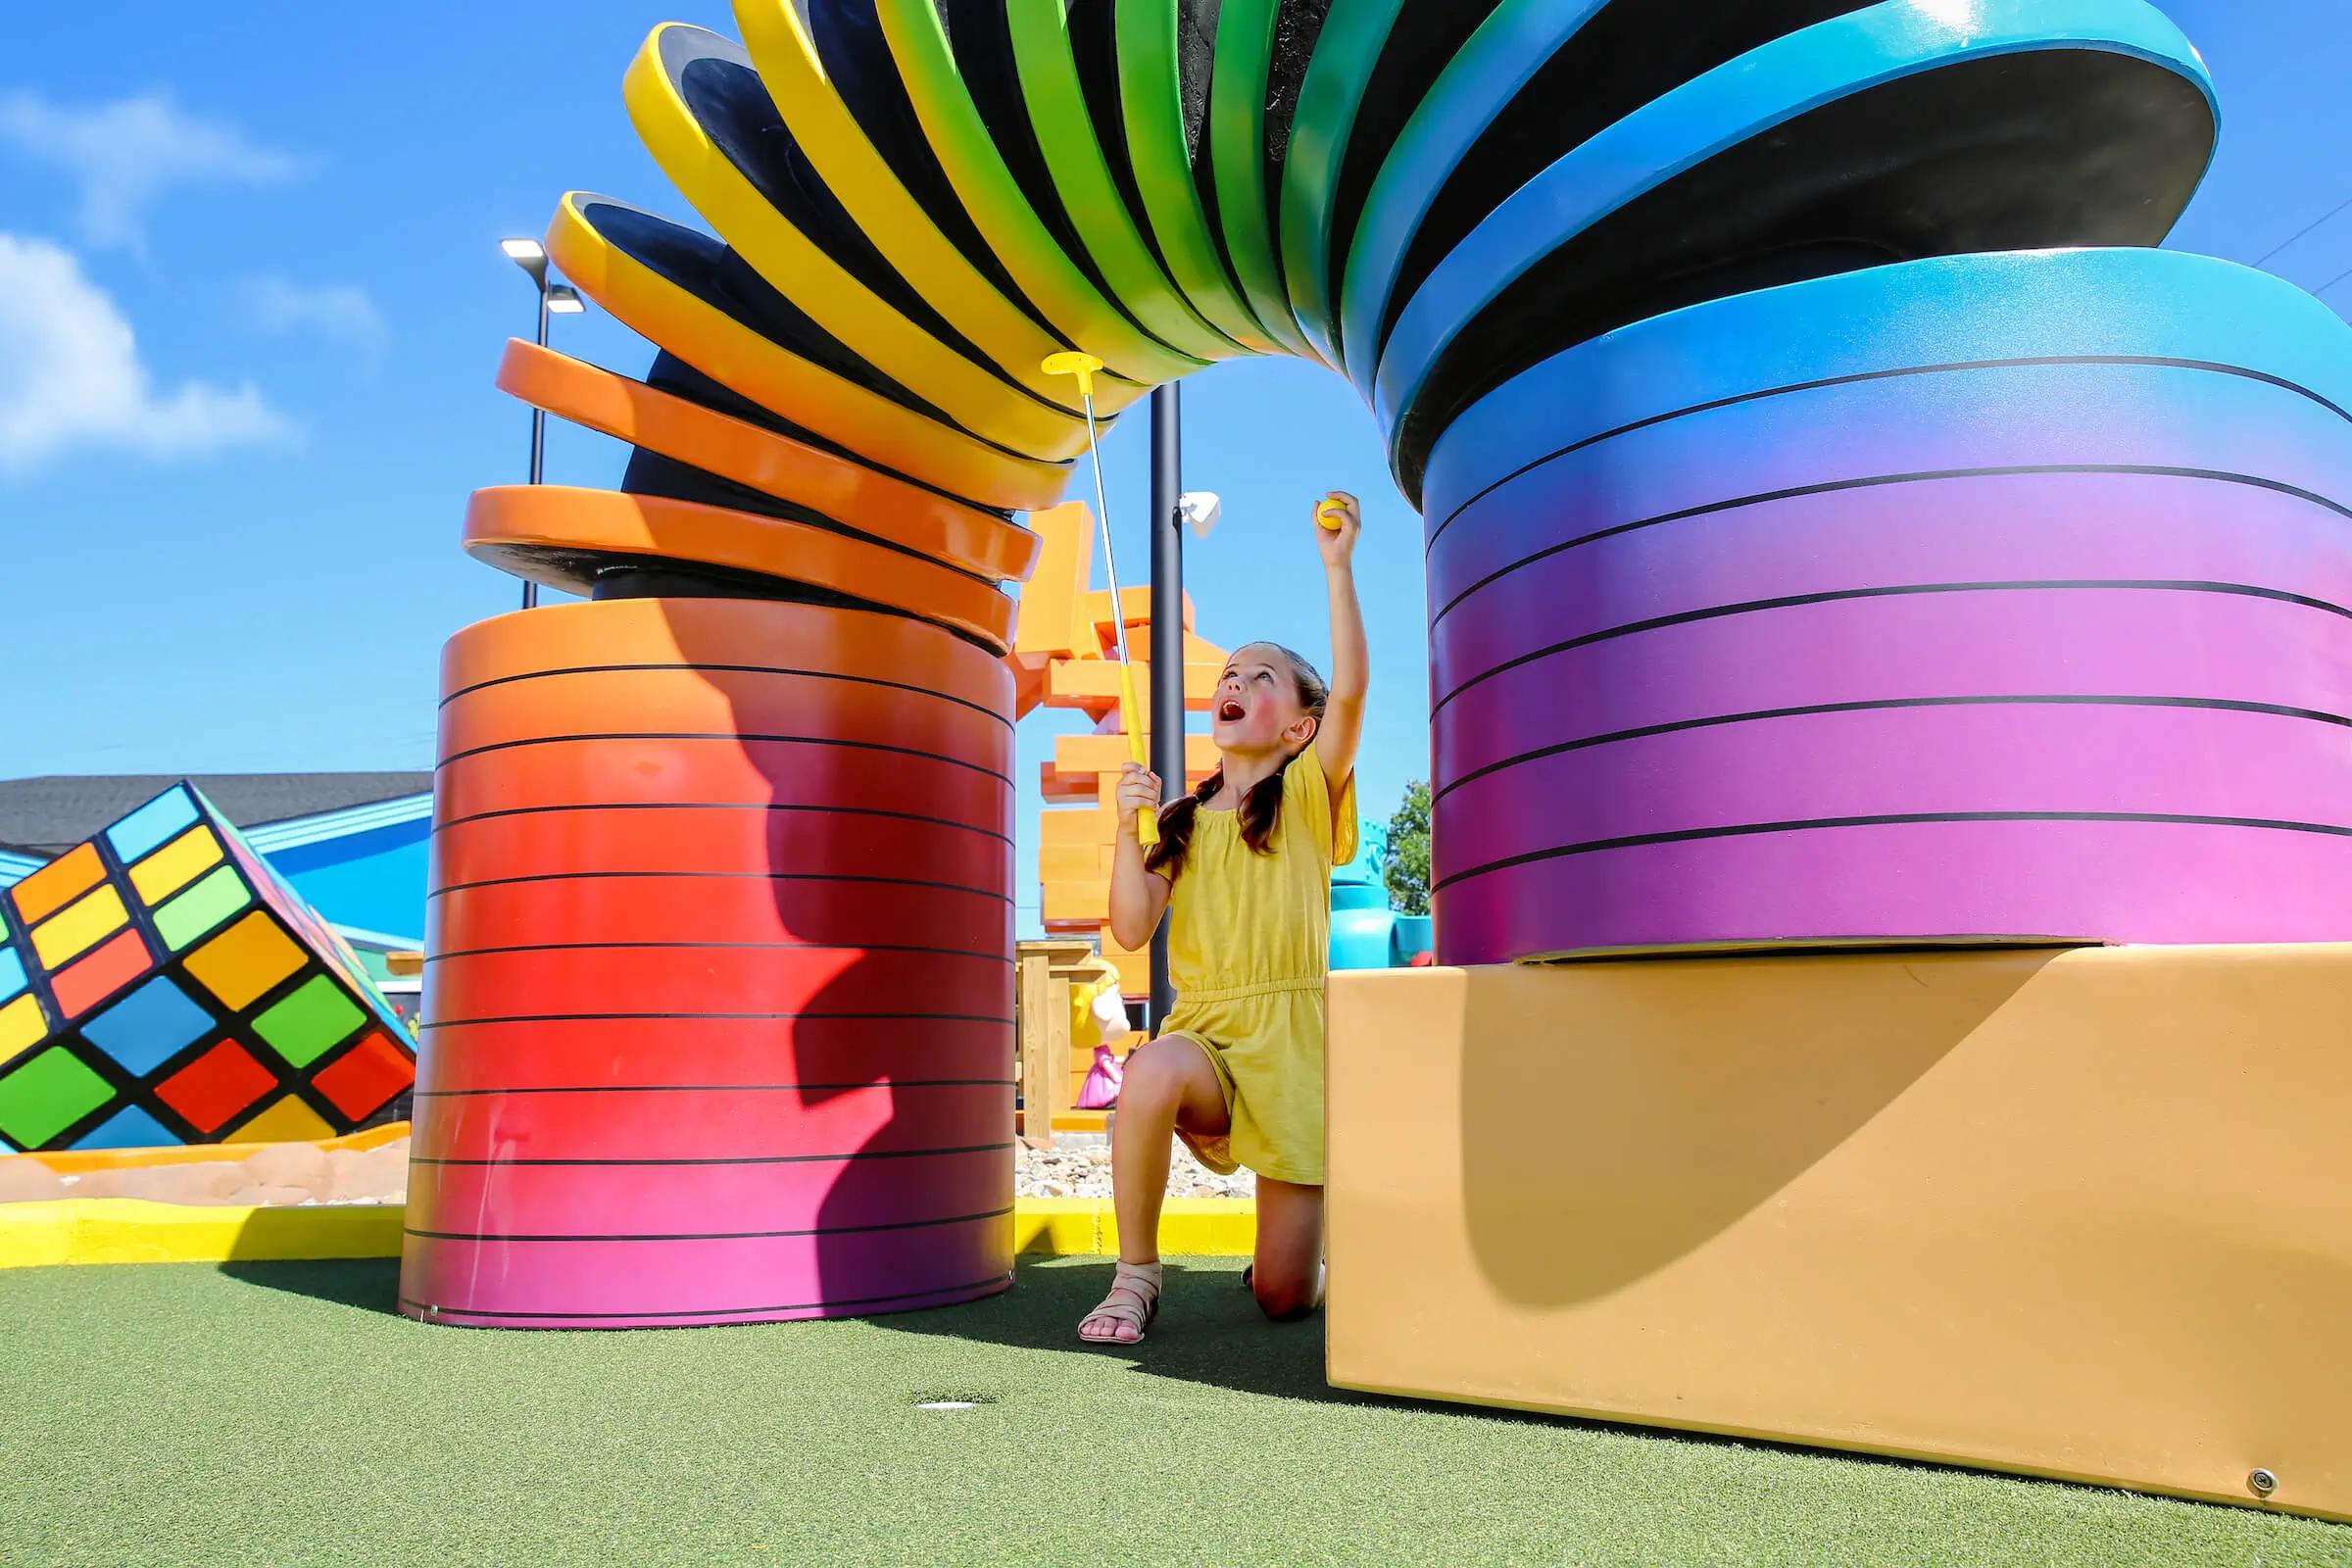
(309, 1022)
(286, 1122)
(97, 975)
(59, 883)
(21, 1023)
(79, 927)
(128, 1128)
(11, 972)
(246, 959)
(215, 1086)
(146, 1028)
(242, 850)
(339, 952)
(176, 864)
(192, 913)
(48, 1095)
(153, 824)
(363, 1078)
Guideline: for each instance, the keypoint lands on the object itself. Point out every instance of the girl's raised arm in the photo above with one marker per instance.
(1342, 728)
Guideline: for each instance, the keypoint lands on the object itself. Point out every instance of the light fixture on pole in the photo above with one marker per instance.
(528, 254)
(564, 300)
(1200, 510)
(531, 257)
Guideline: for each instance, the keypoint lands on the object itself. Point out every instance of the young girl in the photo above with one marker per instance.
(1245, 866)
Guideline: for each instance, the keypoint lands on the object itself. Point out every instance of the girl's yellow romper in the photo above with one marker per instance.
(1248, 949)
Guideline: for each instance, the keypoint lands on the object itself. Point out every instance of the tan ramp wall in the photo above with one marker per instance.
(2083, 1214)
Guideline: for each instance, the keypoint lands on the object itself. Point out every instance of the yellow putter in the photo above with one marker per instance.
(1083, 367)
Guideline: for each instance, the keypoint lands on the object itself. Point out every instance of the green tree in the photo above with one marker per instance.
(1406, 867)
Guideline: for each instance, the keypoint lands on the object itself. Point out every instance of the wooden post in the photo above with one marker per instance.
(1038, 1090)
(1057, 1072)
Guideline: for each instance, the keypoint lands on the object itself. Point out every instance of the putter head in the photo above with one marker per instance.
(1200, 509)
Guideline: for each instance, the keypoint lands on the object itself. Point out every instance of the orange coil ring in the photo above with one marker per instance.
(849, 492)
(556, 535)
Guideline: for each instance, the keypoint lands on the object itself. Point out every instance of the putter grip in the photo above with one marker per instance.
(1146, 823)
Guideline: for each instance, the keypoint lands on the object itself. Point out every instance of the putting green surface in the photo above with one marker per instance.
(278, 1413)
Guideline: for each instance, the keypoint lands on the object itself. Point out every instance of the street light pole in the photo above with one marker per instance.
(1167, 637)
(531, 257)
(530, 589)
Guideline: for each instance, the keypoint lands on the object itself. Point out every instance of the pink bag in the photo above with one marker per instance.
(1100, 1091)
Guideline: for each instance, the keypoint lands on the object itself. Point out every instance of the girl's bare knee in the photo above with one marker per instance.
(1285, 1298)
(1165, 1071)
(1151, 1080)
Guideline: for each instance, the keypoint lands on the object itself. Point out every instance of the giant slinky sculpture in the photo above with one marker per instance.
(1841, 529)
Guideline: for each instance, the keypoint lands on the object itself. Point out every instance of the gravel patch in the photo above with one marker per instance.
(1078, 1165)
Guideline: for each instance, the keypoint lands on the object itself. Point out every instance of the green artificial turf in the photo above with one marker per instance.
(277, 1413)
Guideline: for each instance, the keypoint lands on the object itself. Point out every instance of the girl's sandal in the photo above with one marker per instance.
(1133, 1302)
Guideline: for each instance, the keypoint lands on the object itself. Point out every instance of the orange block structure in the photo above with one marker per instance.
(2076, 1214)
(1064, 656)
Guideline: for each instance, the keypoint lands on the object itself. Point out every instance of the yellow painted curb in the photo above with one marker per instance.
(1061, 1227)
(1197, 1227)
(1080, 1227)
(71, 1161)
(134, 1230)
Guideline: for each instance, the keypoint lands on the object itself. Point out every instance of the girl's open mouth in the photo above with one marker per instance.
(1230, 712)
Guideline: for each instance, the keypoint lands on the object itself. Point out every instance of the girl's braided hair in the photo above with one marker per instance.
(1261, 806)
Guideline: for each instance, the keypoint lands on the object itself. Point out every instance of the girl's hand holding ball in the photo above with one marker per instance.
(1338, 521)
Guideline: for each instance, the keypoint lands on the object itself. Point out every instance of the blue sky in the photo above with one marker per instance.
(245, 373)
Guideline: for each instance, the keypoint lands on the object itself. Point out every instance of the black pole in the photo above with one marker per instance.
(531, 590)
(1167, 638)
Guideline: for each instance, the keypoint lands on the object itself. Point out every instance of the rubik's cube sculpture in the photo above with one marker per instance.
(160, 984)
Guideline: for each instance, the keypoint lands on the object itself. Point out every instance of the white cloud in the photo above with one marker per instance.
(124, 153)
(71, 376)
(339, 312)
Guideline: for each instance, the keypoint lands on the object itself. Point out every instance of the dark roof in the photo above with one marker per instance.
(50, 815)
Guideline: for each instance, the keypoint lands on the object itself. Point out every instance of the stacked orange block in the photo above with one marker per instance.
(1064, 656)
